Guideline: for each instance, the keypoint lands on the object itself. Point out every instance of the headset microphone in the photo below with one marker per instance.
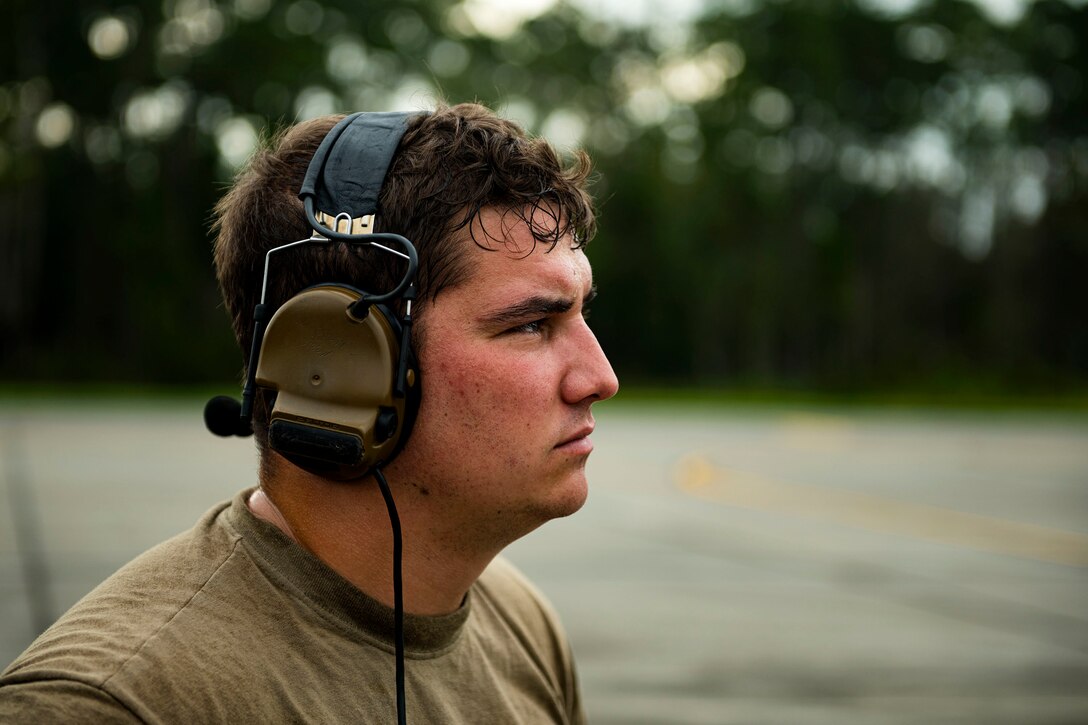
(222, 415)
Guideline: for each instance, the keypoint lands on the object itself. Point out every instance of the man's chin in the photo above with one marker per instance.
(568, 499)
(562, 500)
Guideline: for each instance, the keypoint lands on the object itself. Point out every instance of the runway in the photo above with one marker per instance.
(732, 565)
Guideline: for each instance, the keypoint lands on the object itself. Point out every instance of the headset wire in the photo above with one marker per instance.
(398, 593)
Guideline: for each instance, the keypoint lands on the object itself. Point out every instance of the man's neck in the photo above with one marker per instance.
(346, 525)
(262, 507)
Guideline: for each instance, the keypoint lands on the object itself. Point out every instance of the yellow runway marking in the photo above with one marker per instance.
(701, 478)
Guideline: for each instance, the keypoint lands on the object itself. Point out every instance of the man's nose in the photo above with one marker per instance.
(590, 376)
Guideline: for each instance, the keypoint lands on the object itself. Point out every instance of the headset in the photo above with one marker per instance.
(338, 360)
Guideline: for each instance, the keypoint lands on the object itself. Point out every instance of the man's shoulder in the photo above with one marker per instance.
(503, 580)
(503, 590)
(520, 619)
(125, 621)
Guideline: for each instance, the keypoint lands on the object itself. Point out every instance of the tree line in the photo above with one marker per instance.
(823, 195)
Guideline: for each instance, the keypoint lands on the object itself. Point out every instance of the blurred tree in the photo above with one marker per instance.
(834, 194)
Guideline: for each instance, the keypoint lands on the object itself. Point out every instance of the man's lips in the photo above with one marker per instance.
(578, 439)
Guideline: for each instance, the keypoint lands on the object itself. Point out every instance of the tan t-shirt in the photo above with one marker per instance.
(233, 622)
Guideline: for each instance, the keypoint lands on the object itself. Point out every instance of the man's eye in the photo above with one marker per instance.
(531, 328)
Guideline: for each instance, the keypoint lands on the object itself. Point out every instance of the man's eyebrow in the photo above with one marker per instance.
(530, 308)
(535, 307)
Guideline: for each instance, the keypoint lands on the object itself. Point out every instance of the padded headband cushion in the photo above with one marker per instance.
(347, 172)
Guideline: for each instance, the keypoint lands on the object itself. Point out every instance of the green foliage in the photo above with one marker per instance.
(795, 194)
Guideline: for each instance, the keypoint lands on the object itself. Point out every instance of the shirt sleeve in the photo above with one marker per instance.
(60, 700)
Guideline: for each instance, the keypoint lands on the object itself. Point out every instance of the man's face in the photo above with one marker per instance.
(510, 370)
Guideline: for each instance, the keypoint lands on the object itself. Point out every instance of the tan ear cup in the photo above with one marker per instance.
(335, 411)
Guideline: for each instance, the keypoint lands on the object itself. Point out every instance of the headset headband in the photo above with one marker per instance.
(347, 171)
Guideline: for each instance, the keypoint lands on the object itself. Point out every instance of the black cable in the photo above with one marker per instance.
(398, 593)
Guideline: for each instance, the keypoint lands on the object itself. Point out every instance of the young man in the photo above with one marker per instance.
(277, 607)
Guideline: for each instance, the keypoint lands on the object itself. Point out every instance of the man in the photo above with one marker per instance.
(277, 607)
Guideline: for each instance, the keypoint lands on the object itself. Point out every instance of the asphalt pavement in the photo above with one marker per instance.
(732, 565)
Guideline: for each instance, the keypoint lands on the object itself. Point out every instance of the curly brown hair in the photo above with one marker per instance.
(451, 164)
